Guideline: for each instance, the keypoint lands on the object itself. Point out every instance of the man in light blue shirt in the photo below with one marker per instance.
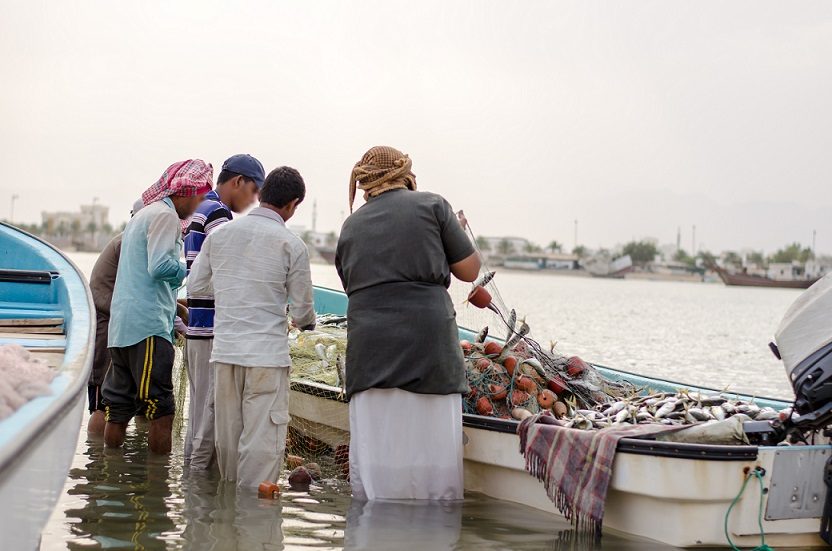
(144, 306)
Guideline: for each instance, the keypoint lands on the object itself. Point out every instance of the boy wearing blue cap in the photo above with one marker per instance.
(238, 186)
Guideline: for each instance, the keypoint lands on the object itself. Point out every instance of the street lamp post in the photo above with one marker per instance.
(15, 197)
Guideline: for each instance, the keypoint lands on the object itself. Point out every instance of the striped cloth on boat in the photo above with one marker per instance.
(574, 465)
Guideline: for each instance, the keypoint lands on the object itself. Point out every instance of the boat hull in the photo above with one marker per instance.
(677, 494)
(31, 485)
(745, 280)
(39, 285)
(679, 501)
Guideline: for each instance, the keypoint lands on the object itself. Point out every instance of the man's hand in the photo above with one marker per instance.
(462, 220)
(179, 326)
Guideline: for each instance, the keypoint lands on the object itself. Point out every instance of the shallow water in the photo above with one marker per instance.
(708, 334)
(128, 499)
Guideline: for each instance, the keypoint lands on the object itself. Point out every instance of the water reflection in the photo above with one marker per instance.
(385, 525)
(127, 499)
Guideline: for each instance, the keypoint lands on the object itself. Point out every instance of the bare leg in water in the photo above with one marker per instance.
(159, 435)
(95, 426)
(114, 434)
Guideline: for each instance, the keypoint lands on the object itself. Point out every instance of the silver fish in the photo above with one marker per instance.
(622, 415)
(512, 321)
(748, 409)
(665, 409)
(718, 413)
(582, 423)
(615, 408)
(699, 414)
(331, 352)
(643, 416)
(482, 335)
(767, 414)
(518, 336)
(485, 279)
(341, 370)
(712, 401)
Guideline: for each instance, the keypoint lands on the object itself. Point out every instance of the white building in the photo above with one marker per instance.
(542, 261)
(516, 245)
(90, 216)
(315, 238)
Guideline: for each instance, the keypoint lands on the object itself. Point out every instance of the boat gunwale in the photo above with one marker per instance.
(77, 368)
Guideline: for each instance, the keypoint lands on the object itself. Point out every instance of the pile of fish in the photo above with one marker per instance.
(680, 408)
(511, 382)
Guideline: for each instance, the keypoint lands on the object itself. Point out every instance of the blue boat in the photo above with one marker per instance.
(46, 307)
(674, 493)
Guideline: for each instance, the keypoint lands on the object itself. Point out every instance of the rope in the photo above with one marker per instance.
(758, 474)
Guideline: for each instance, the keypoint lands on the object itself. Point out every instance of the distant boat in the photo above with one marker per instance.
(46, 307)
(327, 253)
(748, 280)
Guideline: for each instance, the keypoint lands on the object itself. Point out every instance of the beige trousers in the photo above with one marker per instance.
(199, 438)
(251, 410)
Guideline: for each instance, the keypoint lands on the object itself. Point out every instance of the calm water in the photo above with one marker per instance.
(710, 334)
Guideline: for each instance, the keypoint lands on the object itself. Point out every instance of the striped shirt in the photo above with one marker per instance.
(210, 215)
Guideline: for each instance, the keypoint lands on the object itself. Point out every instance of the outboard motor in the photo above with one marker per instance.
(804, 343)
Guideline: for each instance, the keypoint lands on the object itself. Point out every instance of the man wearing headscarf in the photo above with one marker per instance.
(144, 306)
(102, 282)
(405, 372)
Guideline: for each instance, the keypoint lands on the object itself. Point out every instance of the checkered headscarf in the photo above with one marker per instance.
(184, 179)
(381, 169)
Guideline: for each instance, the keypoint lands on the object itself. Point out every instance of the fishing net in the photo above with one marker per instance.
(180, 386)
(522, 373)
(319, 428)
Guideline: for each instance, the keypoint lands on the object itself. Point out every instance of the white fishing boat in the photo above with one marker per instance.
(674, 493)
(45, 306)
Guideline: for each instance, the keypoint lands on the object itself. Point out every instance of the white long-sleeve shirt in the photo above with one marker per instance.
(254, 266)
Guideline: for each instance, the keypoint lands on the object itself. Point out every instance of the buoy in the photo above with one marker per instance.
(479, 297)
(268, 490)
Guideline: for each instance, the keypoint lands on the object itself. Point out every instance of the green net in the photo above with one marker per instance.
(319, 426)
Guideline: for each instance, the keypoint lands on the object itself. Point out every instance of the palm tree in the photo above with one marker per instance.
(733, 259)
(579, 251)
(708, 260)
(505, 247)
(554, 247)
(483, 244)
(530, 248)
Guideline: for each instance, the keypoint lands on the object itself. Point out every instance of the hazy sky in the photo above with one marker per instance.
(632, 117)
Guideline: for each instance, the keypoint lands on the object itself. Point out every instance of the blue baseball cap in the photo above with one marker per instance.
(246, 165)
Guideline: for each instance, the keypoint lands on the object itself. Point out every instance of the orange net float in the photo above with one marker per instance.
(479, 297)
(268, 490)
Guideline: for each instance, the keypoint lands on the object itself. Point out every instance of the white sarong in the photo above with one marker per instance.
(405, 445)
